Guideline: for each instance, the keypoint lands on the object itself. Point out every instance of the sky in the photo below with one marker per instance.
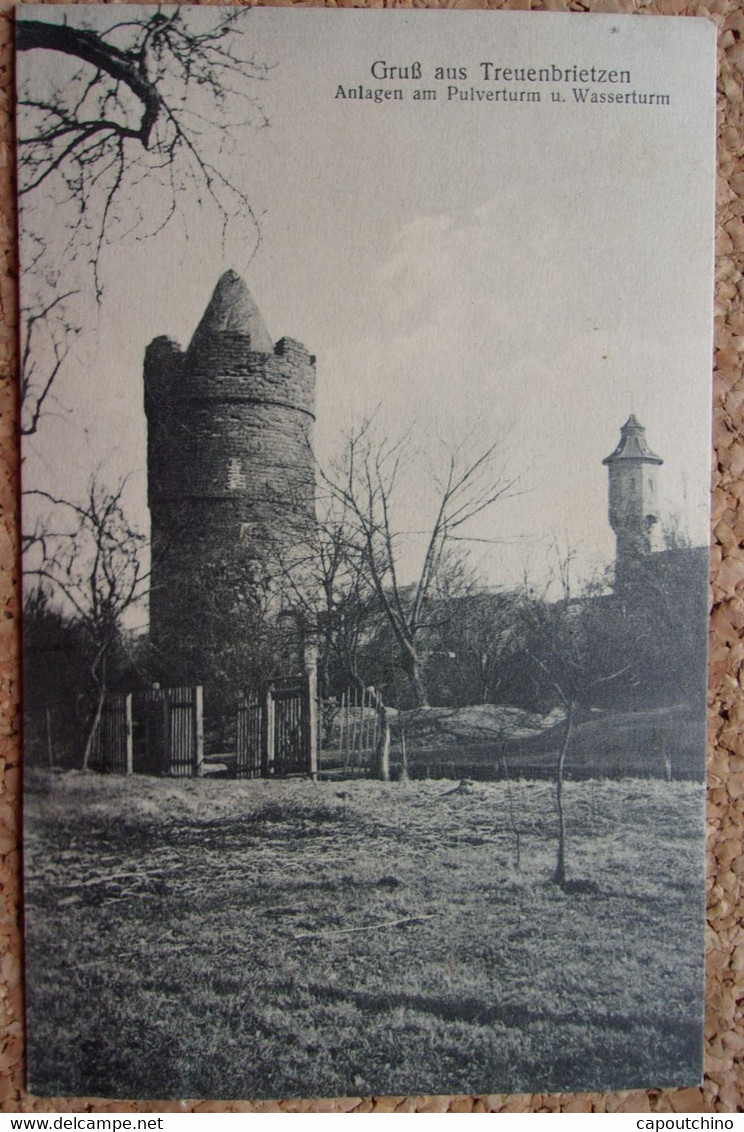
(471, 271)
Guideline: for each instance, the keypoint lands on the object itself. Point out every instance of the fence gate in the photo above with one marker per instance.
(169, 732)
(289, 747)
(250, 724)
(277, 729)
(359, 731)
(112, 747)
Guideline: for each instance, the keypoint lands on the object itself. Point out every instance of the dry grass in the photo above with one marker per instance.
(181, 938)
(611, 744)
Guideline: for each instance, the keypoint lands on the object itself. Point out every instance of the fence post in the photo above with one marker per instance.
(384, 748)
(382, 751)
(267, 732)
(198, 730)
(128, 735)
(311, 694)
(345, 728)
(165, 720)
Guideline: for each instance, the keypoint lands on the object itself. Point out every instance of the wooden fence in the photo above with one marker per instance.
(112, 745)
(159, 731)
(172, 738)
(250, 737)
(359, 741)
(277, 733)
(359, 727)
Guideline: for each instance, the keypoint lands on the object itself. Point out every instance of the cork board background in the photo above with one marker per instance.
(723, 1088)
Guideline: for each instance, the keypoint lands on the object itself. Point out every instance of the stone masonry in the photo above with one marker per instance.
(231, 475)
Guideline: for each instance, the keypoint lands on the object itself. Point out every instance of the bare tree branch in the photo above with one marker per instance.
(46, 336)
(91, 559)
(122, 129)
(365, 486)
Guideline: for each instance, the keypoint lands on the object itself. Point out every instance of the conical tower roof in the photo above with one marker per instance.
(633, 444)
(231, 310)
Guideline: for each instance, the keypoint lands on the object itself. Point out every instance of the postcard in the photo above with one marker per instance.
(366, 401)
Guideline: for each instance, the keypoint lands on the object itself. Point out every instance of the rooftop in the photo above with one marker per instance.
(232, 310)
(633, 445)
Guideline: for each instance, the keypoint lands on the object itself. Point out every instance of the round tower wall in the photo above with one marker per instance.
(231, 485)
(163, 374)
(244, 435)
(237, 450)
(231, 476)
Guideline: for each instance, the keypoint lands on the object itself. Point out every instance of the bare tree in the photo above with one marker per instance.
(47, 333)
(576, 645)
(366, 484)
(133, 120)
(134, 123)
(89, 555)
(321, 579)
(477, 641)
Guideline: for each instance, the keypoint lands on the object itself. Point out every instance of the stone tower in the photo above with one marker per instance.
(231, 479)
(633, 495)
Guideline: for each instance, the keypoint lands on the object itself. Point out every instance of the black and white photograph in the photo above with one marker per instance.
(366, 367)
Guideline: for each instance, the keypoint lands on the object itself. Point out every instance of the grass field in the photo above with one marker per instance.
(612, 744)
(227, 939)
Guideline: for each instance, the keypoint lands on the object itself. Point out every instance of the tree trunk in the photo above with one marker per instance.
(382, 750)
(559, 876)
(422, 699)
(512, 815)
(99, 665)
(382, 754)
(413, 666)
(93, 728)
(404, 756)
